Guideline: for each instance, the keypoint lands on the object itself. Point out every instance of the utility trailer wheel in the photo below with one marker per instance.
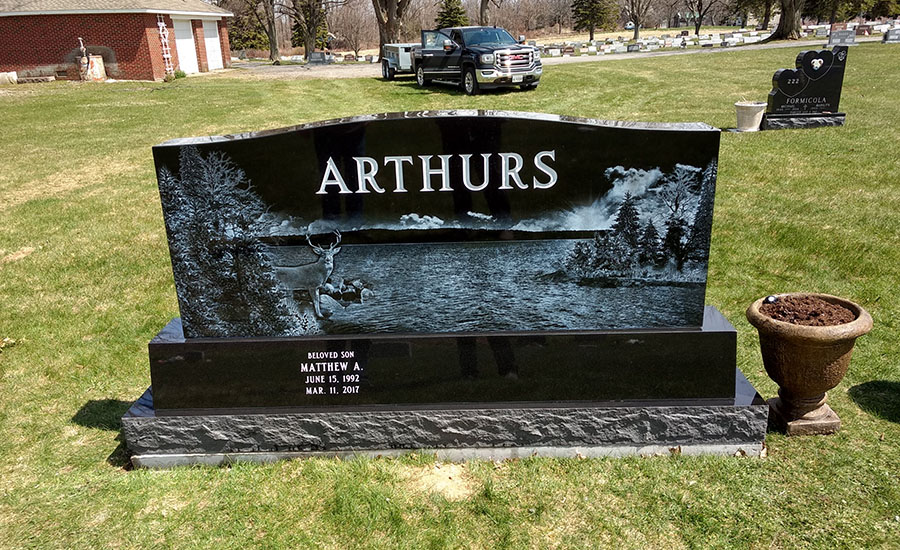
(387, 72)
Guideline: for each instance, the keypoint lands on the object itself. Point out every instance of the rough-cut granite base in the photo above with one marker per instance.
(787, 122)
(455, 434)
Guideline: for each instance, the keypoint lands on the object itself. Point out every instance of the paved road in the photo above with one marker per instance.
(265, 70)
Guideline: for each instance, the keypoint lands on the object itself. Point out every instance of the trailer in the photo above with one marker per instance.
(397, 58)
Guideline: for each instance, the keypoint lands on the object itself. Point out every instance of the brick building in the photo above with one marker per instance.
(138, 39)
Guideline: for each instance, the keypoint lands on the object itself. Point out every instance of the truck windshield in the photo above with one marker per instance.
(488, 37)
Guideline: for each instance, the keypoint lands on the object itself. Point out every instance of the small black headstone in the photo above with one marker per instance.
(317, 58)
(813, 89)
(892, 36)
(685, 33)
(634, 48)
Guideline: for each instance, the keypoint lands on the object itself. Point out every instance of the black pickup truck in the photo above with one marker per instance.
(476, 58)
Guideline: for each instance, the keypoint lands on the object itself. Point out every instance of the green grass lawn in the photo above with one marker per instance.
(85, 282)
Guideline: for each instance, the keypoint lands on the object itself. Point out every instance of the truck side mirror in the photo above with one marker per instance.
(521, 39)
(449, 45)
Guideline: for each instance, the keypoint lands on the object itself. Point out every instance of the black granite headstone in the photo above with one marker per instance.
(437, 261)
(634, 48)
(892, 36)
(317, 58)
(810, 93)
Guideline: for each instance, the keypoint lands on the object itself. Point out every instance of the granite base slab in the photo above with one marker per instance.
(789, 122)
(551, 429)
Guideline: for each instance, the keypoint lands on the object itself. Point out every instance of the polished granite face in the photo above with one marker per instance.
(813, 87)
(551, 369)
(456, 222)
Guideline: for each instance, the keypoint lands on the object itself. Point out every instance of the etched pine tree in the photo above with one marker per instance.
(675, 241)
(613, 256)
(224, 278)
(701, 229)
(650, 246)
(627, 223)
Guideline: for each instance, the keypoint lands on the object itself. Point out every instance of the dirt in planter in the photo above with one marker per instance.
(806, 310)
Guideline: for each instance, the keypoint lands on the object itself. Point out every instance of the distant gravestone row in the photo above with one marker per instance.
(651, 43)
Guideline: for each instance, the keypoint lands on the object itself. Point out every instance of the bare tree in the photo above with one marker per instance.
(353, 24)
(420, 15)
(700, 8)
(389, 15)
(789, 23)
(560, 13)
(266, 12)
(310, 16)
(483, 10)
(636, 11)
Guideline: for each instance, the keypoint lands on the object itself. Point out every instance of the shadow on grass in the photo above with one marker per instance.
(880, 398)
(452, 89)
(103, 414)
(106, 414)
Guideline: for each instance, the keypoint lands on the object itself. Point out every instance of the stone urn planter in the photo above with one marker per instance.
(806, 361)
(749, 115)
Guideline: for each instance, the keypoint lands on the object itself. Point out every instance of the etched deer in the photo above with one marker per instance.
(311, 277)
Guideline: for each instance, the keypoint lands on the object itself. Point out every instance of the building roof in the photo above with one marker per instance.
(172, 7)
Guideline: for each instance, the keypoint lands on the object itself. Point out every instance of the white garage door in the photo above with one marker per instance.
(213, 49)
(184, 44)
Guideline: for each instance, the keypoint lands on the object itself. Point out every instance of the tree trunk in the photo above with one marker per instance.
(388, 14)
(767, 14)
(832, 18)
(591, 33)
(697, 26)
(637, 30)
(789, 24)
(274, 54)
(483, 13)
(309, 43)
(310, 28)
(267, 21)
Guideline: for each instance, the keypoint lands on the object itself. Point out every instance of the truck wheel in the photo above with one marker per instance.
(469, 81)
(420, 77)
(387, 72)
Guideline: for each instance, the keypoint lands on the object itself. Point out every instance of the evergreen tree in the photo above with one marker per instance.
(591, 15)
(225, 281)
(675, 241)
(579, 260)
(245, 33)
(451, 14)
(627, 223)
(298, 29)
(613, 256)
(698, 244)
(649, 245)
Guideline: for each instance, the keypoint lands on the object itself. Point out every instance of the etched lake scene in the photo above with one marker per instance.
(490, 231)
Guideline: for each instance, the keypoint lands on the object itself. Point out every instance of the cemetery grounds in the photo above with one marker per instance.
(85, 282)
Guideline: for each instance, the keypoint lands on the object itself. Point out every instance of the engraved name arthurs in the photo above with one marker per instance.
(435, 172)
